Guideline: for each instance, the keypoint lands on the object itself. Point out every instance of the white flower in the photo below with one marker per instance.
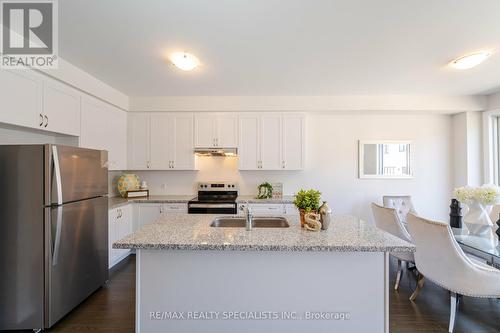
(486, 194)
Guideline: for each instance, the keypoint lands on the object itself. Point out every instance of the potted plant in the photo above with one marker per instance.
(307, 201)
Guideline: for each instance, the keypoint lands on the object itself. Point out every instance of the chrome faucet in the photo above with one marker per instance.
(248, 215)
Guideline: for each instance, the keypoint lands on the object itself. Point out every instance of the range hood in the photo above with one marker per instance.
(216, 151)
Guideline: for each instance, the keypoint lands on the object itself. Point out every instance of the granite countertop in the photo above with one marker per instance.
(193, 232)
(116, 202)
(287, 199)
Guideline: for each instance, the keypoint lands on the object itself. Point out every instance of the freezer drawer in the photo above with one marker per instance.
(76, 173)
(78, 247)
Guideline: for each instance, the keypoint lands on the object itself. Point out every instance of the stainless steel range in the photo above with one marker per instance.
(215, 198)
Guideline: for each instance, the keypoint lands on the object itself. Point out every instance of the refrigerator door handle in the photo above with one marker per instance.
(57, 171)
(57, 241)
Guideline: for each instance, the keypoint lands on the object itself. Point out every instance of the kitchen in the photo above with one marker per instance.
(194, 109)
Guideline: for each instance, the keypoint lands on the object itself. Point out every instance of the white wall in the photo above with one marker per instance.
(467, 149)
(331, 164)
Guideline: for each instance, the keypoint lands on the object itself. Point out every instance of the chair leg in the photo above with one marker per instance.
(454, 299)
(400, 272)
(420, 285)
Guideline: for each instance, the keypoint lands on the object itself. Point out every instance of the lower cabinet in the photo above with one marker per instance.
(120, 225)
(267, 209)
(147, 213)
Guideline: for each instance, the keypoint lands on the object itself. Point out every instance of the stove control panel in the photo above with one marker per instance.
(217, 186)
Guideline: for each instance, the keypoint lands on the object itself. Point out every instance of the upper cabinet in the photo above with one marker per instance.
(138, 141)
(215, 130)
(271, 141)
(21, 98)
(33, 100)
(104, 127)
(61, 108)
(161, 141)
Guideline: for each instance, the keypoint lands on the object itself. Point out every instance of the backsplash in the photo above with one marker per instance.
(210, 169)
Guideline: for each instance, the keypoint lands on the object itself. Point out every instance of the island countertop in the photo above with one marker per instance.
(193, 232)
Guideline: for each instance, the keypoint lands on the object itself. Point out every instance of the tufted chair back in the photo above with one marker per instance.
(401, 203)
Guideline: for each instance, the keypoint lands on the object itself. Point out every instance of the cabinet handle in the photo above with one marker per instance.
(217, 142)
(148, 164)
(283, 164)
(46, 120)
(41, 120)
(173, 165)
(161, 209)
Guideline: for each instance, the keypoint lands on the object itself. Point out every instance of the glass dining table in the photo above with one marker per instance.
(478, 247)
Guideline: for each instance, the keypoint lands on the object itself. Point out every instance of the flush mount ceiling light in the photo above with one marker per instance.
(184, 61)
(470, 60)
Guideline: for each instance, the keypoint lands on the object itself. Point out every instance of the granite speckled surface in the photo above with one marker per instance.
(193, 232)
(116, 202)
(287, 199)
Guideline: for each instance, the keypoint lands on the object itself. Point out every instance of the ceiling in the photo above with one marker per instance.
(283, 47)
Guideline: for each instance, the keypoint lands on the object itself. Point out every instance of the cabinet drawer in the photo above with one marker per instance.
(267, 209)
(175, 208)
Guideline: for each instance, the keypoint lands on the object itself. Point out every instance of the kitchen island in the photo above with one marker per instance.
(192, 277)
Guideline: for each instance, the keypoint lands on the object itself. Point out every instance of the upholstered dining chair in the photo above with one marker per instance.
(440, 259)
(402, 203)
(388, 220)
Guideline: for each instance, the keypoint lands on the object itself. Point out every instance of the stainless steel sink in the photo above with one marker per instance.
(257, 222)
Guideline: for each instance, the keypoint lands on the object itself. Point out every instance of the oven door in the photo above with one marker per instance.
(212, 208)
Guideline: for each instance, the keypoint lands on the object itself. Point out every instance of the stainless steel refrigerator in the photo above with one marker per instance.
(53, 231)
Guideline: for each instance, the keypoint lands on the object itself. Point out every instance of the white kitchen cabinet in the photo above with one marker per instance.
(271, 141)
(259, 209)
(120, 225)
(291, 209)
(61, 108)
(138, 141)
(248, 143)
(161, 141)
(216, 130)
(21, 98)
(147, 213)
(104, 127)
(175, 208)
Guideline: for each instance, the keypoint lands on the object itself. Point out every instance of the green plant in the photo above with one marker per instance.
(307, 200)
(265, 191)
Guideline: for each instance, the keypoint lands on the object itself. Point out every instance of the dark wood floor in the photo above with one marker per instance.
(111, 309)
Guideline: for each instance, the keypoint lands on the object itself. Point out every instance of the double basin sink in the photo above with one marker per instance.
(257, 222)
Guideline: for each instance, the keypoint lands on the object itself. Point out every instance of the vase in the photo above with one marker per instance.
(127, 182)
(478, 222)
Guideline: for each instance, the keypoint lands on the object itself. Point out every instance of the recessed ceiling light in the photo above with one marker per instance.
(470, 60)
(184, 61)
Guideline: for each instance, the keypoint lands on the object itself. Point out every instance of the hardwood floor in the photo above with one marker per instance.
(111, 309)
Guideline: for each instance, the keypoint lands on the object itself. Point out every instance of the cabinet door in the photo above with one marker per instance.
(148, 213)
(270, 141)
(61, 107)
(21, 97)
(125, 227)
(182, 146)
(204, 130)
(227, 131)
(293, 141)
(138, 141)
(105, 127)
(248, 143)
(112, 235)
(116, 138)
(162, 140)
